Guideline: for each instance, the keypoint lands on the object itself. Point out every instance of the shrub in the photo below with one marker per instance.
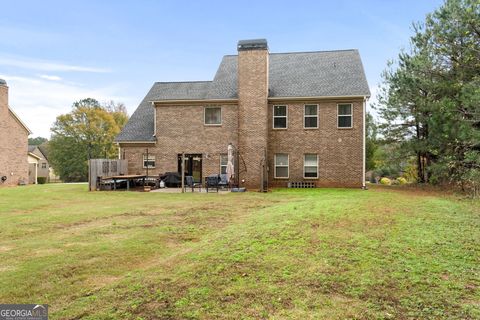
(385, 181)
(401, 180)
(41, 180)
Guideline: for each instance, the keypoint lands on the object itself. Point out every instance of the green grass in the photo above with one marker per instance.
(289, 254)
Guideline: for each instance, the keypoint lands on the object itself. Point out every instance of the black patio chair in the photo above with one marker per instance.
(223, 183)
(212, 182)
(190, 182)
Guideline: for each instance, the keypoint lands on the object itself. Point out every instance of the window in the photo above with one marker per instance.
(213, 115)
(310, 116)
(310, 166)
(281, 165)
(149, 162)
(223, 163)
(344, 115)
(279, 117)
(44, 165)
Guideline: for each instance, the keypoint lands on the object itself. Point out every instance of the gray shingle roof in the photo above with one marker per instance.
(298, 74)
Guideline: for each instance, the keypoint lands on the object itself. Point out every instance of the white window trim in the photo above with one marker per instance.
(286, 116)
(212, 124)
(310, 178)
(143, 161)
(351, 115)
(275, 166)
(220, 159)
(310, 116)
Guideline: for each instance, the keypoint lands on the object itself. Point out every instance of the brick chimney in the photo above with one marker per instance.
(252, 109)
(3, 103)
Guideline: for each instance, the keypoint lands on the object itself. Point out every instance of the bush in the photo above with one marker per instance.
(401, 180)
(385, 181)
(41, 180)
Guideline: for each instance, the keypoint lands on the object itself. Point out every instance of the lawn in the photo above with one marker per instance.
(289, 254)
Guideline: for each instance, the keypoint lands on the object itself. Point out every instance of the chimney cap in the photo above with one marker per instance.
(3, 82)
(253, 44)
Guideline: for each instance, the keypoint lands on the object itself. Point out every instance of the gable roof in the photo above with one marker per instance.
(44, 150)
(41, 148)
(33, 155)
(291, 75)
(17, 118)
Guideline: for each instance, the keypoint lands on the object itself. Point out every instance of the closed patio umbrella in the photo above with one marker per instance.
(230, 167)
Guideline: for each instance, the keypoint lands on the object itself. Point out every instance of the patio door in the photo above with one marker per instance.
(193, 166)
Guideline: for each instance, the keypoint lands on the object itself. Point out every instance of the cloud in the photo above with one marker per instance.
(44, 65)
(51, 78)
(38, 102)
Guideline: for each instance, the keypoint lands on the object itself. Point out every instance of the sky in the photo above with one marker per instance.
(53, 53)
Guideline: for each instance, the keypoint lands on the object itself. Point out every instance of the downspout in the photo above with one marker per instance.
(364, 142)
(154, 119)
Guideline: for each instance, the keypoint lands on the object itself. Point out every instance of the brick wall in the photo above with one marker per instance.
(252, 113)
(181, 129)
(340, 151)
(13, 144)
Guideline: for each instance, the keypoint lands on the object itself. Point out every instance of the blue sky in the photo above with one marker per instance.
(55, 52)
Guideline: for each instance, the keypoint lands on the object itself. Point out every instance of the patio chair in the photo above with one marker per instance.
(190, 182)
(223, 183)
(212, 182)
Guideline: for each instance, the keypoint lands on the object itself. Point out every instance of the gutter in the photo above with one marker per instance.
(364, 156)
(317, 98)
(186, 101)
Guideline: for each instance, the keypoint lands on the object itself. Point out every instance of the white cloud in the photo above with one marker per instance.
(38, 102)
(49, 77)
(44, 65)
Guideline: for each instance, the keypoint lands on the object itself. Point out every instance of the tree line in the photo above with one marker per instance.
(429, 102)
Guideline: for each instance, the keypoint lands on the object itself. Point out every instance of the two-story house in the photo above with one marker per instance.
(291, 117)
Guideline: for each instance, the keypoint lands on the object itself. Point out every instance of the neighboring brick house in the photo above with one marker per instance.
(43, 167)
(13, 143)
(292, 117)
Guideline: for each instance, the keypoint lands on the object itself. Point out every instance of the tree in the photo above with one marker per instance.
(370, 141)
(87, 132)
(37, 141)
(430, 100)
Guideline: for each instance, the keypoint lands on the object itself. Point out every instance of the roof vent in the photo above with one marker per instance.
(254, 44)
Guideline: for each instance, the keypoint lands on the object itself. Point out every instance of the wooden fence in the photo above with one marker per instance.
(104, 168)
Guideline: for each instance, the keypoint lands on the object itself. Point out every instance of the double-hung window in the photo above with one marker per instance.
(344, 114)
(213, 116)
(310, 166)
(280, 116)
(310, 116)
(281, 166)
(223, 163)
(148, 162)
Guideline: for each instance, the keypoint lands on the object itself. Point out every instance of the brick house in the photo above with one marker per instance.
(13, 143)
(292, 117)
